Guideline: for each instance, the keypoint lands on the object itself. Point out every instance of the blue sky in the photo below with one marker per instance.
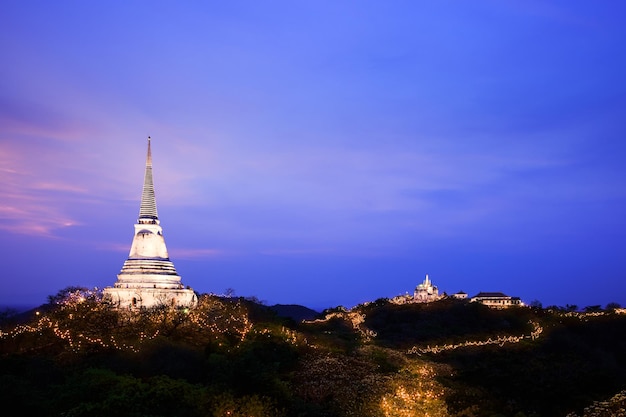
(318, 152)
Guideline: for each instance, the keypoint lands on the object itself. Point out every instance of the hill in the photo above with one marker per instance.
(295, 312)
(234, 357)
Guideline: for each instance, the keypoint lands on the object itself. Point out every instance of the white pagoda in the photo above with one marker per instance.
(148, 277)
(426, 292)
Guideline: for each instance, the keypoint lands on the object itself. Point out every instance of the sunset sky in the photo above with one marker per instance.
(321, 153)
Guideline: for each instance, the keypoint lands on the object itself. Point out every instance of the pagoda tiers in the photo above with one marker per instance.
(148, 278)
(426, 292)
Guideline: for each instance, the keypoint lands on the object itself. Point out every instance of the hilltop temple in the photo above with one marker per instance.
(148, 278)
(424, 293)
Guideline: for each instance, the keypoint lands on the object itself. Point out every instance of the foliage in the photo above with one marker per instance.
(447, 320)
(73, 294)
(579, 360)
(613, 407)
(613, 306)
(232, 356)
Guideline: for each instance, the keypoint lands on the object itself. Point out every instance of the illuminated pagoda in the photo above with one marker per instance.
(148, 278)
(426, 292)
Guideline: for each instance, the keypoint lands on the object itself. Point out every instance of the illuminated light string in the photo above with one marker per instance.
(355, 318)
(236, 322)
(221, 321)
(501, 341)
(423, 395)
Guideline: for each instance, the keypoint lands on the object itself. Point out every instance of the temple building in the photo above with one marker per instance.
(148, 278)
(496, 300)
(461, 295)
(426, 292)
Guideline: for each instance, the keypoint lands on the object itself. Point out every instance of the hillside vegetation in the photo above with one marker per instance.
(236, 357)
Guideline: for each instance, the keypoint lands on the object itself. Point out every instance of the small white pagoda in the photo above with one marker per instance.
(426, 292)
(148, 277)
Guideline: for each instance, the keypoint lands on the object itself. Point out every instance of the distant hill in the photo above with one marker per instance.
(294, 311)
(15, 308)
(22, 314)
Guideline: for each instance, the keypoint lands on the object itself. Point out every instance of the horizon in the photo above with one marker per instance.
(318, 154)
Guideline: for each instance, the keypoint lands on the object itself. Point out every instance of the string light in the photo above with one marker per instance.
(500, 341)
(212, 315)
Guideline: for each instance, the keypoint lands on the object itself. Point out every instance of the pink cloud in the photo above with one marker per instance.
(59, 186)
(113, 246)
(34, 120)
(26, 209)
(175, 253)
(189, 253)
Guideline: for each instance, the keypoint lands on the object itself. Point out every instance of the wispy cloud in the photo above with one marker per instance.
(196, 253)
(30, 119)
(24, 214)
(316, 195)
(174, 252)
(59, 186)
(113, 246)
(345, 179)
(31, 206)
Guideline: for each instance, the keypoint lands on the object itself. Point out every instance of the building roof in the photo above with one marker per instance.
(491, 295)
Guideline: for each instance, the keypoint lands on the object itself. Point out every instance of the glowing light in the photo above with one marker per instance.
(213, 316)
(500, 341)
(418, 394)
(354, 317)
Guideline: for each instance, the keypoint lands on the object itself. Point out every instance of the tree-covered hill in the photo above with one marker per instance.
(237, 357)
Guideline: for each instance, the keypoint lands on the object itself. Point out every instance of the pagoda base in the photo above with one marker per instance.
(137, 298)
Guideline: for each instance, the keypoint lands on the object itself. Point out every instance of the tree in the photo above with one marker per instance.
(73, 294)
(613, 306)
(6, 314)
